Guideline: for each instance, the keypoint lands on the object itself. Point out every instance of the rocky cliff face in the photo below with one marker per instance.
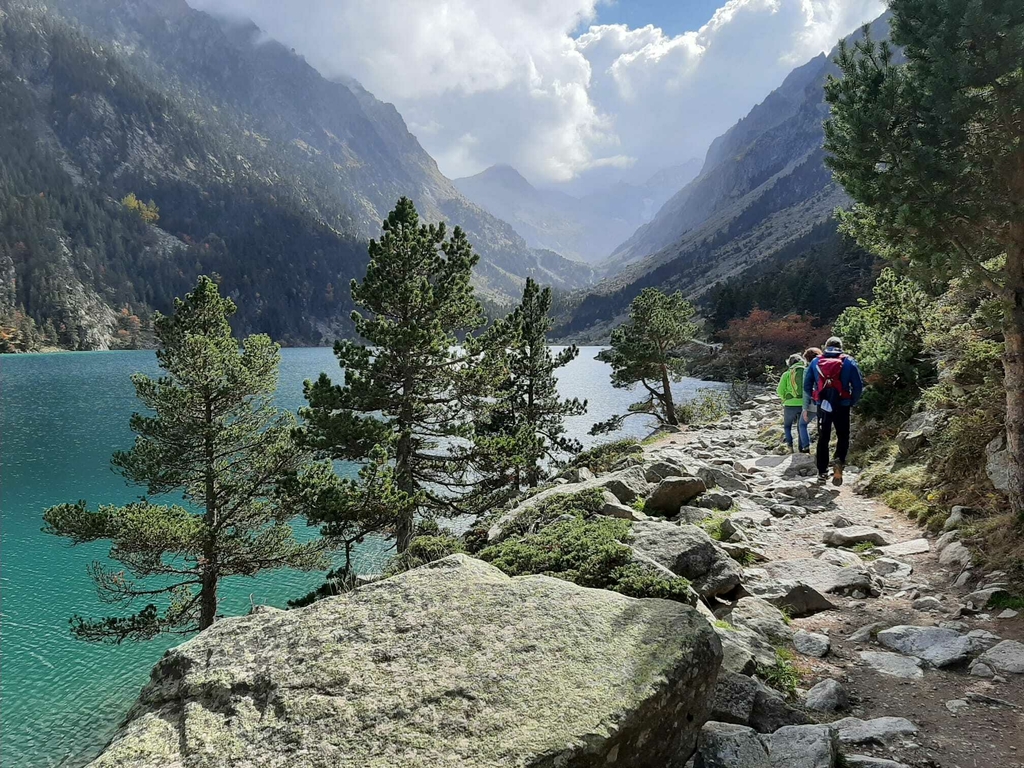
(452, 664)
(763, 188)
(263, 171)
(587, 227)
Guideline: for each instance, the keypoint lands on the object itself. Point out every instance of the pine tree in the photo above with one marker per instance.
(930, 150)
(215, 438)
(648, 349)
(410, 386)
(523, 424)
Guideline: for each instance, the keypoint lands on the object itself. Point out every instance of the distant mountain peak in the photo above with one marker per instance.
(503, 174)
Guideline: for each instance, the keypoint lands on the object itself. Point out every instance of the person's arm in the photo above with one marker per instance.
(808, 385)
(782, 389)
(856, 382)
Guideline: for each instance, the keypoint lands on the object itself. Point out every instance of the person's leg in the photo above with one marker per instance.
(801, 427)
(824, 436)
(842, 421)
(788, 418)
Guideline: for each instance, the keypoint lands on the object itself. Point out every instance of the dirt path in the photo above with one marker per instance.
(984, 727)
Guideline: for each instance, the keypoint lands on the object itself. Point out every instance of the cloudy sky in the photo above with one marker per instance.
(563, 90)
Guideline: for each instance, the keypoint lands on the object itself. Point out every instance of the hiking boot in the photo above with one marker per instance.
(837, 474)
(822, 477)
(805, 450)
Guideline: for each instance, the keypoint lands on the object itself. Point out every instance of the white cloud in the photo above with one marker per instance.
(487, 81)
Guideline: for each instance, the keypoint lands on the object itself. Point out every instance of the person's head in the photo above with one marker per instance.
(794, 359)
(834, 342)
(812, 352)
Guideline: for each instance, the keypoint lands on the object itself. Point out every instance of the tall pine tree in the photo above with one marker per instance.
(523, 426)
(409, 385)
(214, 437)
(648, 349)
(931, 151)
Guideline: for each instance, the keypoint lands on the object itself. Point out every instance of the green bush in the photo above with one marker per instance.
(603, 457)
(706, 407)
(906, 501)
(589, 552)
(425, 549)
(781, 674)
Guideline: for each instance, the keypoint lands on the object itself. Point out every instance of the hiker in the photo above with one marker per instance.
(834, 385)
(810, 409)
(791, 390)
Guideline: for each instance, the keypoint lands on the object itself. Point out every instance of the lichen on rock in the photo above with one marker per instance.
(451, 664)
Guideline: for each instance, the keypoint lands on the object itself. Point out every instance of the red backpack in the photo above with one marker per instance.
(830, 384)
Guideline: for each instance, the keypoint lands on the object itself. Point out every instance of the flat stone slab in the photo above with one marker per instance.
(1006, 657)
(893, 664)
(852, 535)
(452, 665)
(903, 548)
(881, 730)
(937, 646)
(805, 570)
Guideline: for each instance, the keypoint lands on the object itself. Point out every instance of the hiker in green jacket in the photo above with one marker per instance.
(791, 390)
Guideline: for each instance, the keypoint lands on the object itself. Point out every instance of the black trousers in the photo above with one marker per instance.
(839, 417)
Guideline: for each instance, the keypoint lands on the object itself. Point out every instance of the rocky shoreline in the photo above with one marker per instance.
(819, 629)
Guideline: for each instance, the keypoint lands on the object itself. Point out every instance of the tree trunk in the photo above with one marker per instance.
(208, 589)
(1013, 362)
(667, 401)
(403, 464)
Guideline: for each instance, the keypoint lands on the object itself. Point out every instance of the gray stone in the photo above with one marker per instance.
(612, 508)
(723, 745)
(937, 646)
(867, 632)
(852, 535)
(744, 700)
(946, 539)
(930, 604)
(659, 470)
(1009, 613)
(853, 581)
(688, 551)
(997, 464)
(627, 485)
(725, 479)
(397, 673)
(672, 493)
(804, 746)
(692, 515)
(881, 730)
(957, 516)
(744, 553)
(743, 651)
(956, 706)
(794, 598)
(955, 554)
(759, 616)
(715, 500)
(893, 664)
(918, 429)
(866, 761)
(904, 548)
(980, 669)
(841, 558)
(805, 570)
(982, 639)
(890, 568)
(811, 644)
(979, 600)
(841, 522)
(1006, 657)
(826, 697)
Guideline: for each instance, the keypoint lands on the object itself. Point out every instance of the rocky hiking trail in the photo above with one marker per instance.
(908, 635)
(815, 628)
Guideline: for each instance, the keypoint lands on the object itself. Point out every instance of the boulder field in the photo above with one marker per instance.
(807, 626)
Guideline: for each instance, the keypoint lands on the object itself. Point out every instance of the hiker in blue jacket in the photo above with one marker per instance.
(833, 384)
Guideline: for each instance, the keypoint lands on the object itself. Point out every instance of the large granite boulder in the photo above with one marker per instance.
(452, 664)
(688, 551)
(672, 493)
(918, 429)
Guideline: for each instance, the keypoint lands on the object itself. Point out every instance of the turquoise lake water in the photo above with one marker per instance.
(61, 418)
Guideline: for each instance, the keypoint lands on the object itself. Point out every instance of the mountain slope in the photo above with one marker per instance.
(263, 171)
(585, 227)
(763, 190)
